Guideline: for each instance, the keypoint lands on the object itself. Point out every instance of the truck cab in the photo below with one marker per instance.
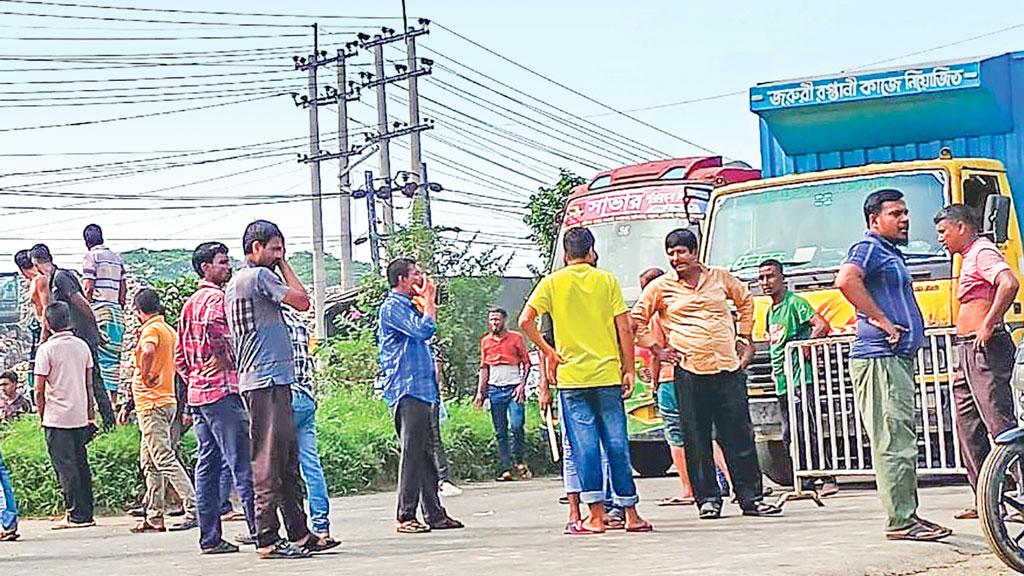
(941, 133)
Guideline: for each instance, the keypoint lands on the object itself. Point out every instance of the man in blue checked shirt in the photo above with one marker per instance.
(410, 390)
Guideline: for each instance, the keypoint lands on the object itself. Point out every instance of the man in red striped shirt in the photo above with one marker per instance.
(205, 358)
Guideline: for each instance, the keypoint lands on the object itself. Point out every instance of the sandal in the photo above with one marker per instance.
(233, 516)
(144, 527)
(710, 511)
(315, 544)
(282, 550)
(448, 523)
(412, 527)
(966, 514)
(578, 528)
(762, 509)
(9, 535)
(614, 523)
(643, 526)
(676, 501)
(918, 532)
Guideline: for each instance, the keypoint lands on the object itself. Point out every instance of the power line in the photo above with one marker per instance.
(206, 12)
(576, 92)
(934, 48)
(146, 20)
(147, 78)
(145, 38)
(137, 116)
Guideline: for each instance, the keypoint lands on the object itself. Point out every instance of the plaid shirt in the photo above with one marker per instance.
(202, 332)
(300, 349)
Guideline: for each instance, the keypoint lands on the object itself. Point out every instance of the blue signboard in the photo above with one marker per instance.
(866, 87)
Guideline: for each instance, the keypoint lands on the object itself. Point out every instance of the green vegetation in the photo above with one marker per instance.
(357, 443)
(171, 265)
(547, 208)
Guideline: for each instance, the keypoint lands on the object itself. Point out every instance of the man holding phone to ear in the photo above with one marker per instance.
(253, 304)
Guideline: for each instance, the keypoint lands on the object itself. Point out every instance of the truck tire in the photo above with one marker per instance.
(650, 458)
(775, 462)
(997, 497)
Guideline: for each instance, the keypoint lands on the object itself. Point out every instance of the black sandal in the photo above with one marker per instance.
(448, 523)
(314, 544)
(762, 509)
(283, 550)
(919, 532)
(710, 511)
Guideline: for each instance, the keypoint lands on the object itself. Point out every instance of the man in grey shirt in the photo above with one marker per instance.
(253, 304)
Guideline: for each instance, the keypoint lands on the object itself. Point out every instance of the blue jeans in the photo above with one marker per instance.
(571, 479)
(506, 411)
(227, 484)
(304, 409)
(223, 432)
(8, 506)
(595, 418)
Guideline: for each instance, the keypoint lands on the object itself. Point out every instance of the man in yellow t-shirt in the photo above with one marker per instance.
(156, 406)
(592, 364)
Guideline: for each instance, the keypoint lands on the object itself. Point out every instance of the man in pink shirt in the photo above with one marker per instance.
(981, 387)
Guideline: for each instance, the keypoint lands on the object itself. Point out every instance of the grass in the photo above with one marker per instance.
(357, 441)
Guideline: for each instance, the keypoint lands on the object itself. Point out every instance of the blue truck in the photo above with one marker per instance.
(941, 132)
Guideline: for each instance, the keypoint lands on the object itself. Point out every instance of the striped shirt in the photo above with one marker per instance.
(890, 285)
(300, 350)
(104, 267)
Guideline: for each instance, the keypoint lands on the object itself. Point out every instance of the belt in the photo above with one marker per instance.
(972, 338)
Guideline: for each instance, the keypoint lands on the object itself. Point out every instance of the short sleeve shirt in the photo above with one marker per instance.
(508, 349)
(64, 285)
(64, 360)
(263, 346)
(163, 338)
(982, 263)
(104, 267)
(787, 321)
(583, 302)
(890, 285)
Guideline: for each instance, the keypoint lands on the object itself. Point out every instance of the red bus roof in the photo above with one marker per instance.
(707, 169)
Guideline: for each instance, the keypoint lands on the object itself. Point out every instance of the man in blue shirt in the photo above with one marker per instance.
(890, 330)
(410, 389)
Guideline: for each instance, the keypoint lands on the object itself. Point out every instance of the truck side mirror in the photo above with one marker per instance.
(996, 222)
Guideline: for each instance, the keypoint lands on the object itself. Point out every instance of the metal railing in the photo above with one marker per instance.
(828, 437)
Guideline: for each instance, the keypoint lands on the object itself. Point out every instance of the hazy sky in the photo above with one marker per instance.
(627, 54)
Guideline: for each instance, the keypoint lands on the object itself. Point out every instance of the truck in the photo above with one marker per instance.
(630, 210)
(948, 132)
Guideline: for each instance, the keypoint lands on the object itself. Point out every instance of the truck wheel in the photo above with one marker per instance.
(775, 462)
(650, 458)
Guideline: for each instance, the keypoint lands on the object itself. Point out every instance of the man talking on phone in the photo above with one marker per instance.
(890, 330)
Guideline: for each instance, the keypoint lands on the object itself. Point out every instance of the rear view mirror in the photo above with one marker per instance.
(996, 221)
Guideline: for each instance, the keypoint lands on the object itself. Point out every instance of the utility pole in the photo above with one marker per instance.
(347, 92)
(313, 101)
(368, 192)
(379, 81)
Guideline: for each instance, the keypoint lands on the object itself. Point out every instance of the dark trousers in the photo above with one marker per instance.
(984, 402)
(223, 432)
(440, 459)
(275, 465)
(417, 472)
(718, 400)
(106, 409)
(71, 462)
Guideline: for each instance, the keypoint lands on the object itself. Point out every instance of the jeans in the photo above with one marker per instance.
(222, 429)
(275, 466)
(70, 459)
(884, 389)
(8, 506)
(718, 402)
(595, 418)
(571, 479)
(304, 411)
(507, 411)
(417, 471)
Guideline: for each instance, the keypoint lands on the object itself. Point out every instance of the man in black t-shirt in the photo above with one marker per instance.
(64, 287)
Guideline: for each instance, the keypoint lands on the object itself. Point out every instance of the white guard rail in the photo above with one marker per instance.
(828, 437)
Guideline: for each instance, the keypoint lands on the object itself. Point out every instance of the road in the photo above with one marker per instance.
(516, 528)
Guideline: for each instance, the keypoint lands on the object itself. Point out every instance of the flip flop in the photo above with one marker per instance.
(10, 536)
(918, 532)
(577, 528)
(644, 526)
(676, 501)
(412, 527)
(614, 524)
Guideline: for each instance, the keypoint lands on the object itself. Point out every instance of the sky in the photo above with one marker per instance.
(174, 179)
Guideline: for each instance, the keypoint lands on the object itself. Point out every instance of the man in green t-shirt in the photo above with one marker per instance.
(791, 317)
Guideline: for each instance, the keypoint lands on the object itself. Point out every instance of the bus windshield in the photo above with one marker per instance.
(811, 226)
(628, 247)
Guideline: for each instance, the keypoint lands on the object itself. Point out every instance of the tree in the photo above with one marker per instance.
(547, 208)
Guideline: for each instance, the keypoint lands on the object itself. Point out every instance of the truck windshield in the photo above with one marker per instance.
(627, 248)
(812, 225)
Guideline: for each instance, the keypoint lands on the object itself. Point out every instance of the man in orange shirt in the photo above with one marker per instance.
(156, 405)
(504, 367)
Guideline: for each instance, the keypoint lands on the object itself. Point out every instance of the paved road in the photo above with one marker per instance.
(515, 528)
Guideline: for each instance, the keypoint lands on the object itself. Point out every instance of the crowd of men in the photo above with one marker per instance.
(243, 357)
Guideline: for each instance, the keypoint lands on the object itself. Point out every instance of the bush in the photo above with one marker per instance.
(358, 447)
